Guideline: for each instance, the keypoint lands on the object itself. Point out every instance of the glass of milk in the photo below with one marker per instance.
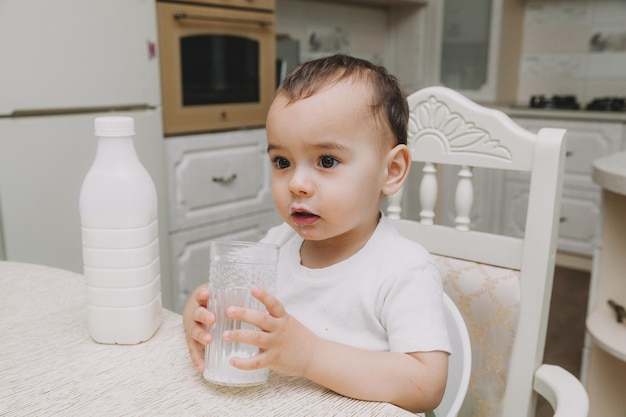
(234, 268)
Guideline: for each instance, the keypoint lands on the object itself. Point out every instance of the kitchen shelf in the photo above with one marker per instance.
(608, 333)
(604, 362)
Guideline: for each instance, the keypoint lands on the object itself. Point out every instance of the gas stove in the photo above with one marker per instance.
(570, 102)
(607, 104)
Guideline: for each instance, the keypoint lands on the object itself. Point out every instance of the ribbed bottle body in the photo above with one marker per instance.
(119, 220)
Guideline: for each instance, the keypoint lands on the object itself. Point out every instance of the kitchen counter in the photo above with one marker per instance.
(582, 115)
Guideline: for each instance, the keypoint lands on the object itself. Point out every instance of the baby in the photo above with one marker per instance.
(357, 307)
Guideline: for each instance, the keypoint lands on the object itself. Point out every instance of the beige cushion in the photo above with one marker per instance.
(488, 297)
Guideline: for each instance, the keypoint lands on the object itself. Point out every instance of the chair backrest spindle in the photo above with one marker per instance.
(428, 193)
(464, 198)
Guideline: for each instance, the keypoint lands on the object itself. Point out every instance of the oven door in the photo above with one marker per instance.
(217, 67)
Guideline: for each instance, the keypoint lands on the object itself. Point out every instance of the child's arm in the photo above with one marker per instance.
(414, 381)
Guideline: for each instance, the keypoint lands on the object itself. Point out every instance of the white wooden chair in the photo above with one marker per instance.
(502, 285)
(459, 364)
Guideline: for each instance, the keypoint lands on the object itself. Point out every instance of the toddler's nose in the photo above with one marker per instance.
(301, 183)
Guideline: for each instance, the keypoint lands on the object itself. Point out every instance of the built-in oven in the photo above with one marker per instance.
(218, 64)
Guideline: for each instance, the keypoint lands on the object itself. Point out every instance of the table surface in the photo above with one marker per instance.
(609, 172)
(50, 366)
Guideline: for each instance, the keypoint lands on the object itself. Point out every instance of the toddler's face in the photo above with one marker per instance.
(328, 162)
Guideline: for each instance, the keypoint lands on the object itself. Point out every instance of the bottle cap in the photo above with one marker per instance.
(114, 126)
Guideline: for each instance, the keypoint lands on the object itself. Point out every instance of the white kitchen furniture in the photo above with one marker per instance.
(587, 140)
(50, 366)
(480, 43)
(65, 63)
(395, 33)
(43, 162)
(501, 284)
(604, 360)
(219, 188)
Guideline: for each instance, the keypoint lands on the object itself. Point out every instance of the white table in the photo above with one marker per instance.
(604, 359)
(50, 366)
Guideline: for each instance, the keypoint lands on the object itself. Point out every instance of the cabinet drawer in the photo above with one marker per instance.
(580, 208)
(586, 141)
(190, 249)
(580, 217)
(217, 176)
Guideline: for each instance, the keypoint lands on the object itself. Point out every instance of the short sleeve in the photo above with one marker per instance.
(413, 311)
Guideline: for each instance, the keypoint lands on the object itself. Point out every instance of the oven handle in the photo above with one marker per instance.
(183, 15)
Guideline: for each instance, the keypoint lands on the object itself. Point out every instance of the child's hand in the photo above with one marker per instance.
(195, 319)
(285, 345)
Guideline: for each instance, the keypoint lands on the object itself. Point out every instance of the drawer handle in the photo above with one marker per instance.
(562, 219)
(225, 180)
(568, 154)
(181, 16)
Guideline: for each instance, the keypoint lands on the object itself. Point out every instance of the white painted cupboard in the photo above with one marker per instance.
(580, 206)
(480, 44)
(219, 188)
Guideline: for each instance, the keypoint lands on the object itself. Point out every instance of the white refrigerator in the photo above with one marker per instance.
(63, 63)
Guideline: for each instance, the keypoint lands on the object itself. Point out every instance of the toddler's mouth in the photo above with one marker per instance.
(304, 218)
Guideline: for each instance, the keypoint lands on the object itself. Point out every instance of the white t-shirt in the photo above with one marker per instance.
(385, 297)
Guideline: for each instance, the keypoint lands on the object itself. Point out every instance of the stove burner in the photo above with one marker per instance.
(567, 102)
(607, 104)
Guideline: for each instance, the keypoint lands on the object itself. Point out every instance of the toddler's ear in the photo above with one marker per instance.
(398, 165)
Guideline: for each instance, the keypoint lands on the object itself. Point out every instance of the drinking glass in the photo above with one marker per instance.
(234, 268)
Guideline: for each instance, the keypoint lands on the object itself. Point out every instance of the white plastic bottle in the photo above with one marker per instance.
(118, 211)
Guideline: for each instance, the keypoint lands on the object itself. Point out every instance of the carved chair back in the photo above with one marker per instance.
(501, 284)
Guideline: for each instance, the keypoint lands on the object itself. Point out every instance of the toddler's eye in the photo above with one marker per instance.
(281, 163)
(328, 162)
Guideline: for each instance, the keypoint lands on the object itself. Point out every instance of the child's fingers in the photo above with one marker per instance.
(249, 337)
(274, 307)
(255, 362)
(259, 319)
(203, 316)
(199, 334)
(201, 319)
(196, 352)
(201, 295)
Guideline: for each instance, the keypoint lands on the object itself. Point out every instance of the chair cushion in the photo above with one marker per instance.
(488, 298)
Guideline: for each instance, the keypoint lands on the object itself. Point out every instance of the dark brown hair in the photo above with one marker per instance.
(388, 99)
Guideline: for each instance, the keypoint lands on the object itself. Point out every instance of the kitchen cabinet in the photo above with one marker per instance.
(581, 199)
(604, 354)
(190, 249)
(219, 188)
(481, 47)
(400, 34)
